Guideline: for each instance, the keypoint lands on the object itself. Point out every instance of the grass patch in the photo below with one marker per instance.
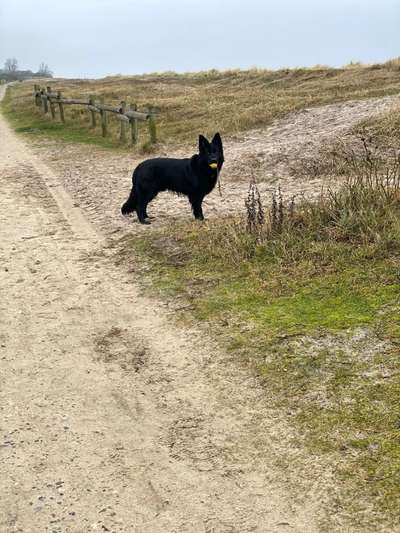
(310, 298)
(30, 121)
(227, 101)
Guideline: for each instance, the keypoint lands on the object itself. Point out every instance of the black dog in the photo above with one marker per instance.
(195, 178)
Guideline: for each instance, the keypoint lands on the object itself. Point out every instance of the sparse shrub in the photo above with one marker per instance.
(278, 213)
(363, 212)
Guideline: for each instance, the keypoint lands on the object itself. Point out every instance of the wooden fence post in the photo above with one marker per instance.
(44, 101)
(125, 113)
(60, 107)
(52, 108)
(152, 127)
(103, 119)
(92, 113)
(134, 126)
(38, 100)
(122, 133)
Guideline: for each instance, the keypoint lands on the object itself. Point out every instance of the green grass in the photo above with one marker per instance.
(313, 306)
(296, 299)
(227, 101)
(32, 122)
(329, 303)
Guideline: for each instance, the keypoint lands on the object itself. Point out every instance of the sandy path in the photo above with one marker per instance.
(113, 419)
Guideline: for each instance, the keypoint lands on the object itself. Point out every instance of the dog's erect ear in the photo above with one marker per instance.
(204, 145)
(217, 141)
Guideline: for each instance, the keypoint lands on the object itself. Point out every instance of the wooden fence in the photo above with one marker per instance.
(127, 114)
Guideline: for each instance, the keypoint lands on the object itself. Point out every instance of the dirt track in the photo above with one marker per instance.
(112, 418)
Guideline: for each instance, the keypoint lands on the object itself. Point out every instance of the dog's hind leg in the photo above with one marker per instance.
(144, 198)
(141, 211)
(141, 206)
(146, 215)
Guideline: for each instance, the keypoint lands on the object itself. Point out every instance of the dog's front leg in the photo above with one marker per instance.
(196, 202)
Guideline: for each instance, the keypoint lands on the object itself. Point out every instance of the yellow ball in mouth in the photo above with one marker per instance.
(213, 165)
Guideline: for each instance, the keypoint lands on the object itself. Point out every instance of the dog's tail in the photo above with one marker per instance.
(130, 205)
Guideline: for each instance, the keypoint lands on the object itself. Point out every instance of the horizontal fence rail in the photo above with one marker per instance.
(127, 114)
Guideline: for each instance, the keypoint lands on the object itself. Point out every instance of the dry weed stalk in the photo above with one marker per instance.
(277, 210)
(254, 209)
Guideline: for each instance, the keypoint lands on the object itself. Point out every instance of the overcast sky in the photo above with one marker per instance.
(94, 38)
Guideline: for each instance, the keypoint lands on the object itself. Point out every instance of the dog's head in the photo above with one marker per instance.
(212, 153)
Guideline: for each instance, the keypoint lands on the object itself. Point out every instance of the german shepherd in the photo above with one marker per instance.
(193, 177)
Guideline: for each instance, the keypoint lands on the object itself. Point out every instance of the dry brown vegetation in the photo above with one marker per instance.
(229, 101)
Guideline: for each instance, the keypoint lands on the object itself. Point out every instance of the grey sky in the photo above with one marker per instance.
(93, 38)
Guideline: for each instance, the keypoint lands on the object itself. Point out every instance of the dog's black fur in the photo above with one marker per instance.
(194, 177)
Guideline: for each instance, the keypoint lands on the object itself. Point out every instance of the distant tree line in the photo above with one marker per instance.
(11, 72)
